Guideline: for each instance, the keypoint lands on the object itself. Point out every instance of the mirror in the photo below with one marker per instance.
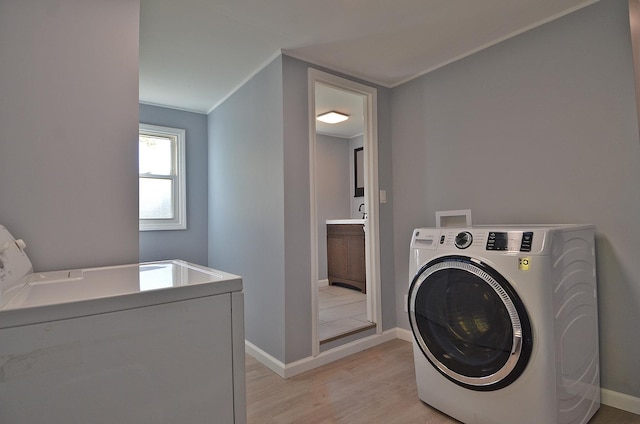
(341, 288)
(358, 168)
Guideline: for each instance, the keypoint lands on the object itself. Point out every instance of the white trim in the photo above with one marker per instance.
(372, 209)
(180, 189)
(340, 136)
(405, 335)
(335, 68)
(486, 45)
(372, 241)
(264, 358)
(246, 80)
(313, 215)
(178, 108)
(312, 362)
(368, 79)
(323, 283)
(496, 41)
(620, 400)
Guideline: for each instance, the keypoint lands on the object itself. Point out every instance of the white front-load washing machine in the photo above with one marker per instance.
(505, 323)
(151, 343)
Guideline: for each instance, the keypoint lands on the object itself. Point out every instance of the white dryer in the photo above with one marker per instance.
(158, 342)
(505, 323)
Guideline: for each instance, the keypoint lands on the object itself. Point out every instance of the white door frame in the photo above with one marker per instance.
(372, 244)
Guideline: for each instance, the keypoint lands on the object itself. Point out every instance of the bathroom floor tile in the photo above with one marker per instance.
(346, 310)
(341, 310)
(341, 326)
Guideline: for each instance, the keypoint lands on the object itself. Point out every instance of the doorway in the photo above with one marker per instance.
(356, 207)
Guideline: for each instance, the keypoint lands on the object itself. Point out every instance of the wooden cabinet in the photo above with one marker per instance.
(346, 256)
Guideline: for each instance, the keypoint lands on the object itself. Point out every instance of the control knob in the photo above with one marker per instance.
(21, 244)
(463, 240)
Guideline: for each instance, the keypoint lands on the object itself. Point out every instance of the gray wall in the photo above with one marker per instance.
(246, 202)
(297, 219)
(190, 244)
(541, 128)
(385, 182)
(259, 214)
(333, 191)
(69, 121)
(297, 210)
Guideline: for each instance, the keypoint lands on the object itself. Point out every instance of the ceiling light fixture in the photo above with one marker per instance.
(332, 117)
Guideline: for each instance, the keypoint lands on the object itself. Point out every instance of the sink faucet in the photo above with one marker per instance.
(364, 214)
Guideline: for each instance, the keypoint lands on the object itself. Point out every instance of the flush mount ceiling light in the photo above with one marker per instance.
(332, 117)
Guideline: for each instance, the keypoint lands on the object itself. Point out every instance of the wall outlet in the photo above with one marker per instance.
(406, 302)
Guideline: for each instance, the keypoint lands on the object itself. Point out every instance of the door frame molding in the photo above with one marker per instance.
(372, 238)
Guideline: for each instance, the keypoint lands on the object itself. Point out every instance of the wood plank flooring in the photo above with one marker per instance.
(370, 387)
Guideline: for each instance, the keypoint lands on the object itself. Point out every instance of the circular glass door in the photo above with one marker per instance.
(469, 323)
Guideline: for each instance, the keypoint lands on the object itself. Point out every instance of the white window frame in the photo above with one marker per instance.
(179, 222)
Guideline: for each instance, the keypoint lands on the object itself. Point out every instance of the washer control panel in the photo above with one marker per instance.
(510, 241)
(478, 239)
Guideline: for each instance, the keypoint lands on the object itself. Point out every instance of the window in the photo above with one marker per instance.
(162, 178)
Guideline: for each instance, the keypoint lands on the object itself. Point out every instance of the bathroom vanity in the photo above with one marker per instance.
(346, 253)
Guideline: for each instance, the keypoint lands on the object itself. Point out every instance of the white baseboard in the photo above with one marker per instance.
(311, 362)
(405, 335)
(323, 283)
(607, 397)
(307, 364)
(620, 401)
(263, 357)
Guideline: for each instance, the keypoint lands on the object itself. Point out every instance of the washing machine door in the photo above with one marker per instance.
(469, 323)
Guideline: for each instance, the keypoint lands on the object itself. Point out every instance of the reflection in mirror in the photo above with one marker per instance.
(342, 295)
(358, 167)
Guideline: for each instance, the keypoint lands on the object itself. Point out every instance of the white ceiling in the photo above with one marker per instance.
(351, 104)
(194, 53)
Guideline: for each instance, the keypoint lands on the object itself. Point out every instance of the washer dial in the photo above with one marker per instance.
(463, 240)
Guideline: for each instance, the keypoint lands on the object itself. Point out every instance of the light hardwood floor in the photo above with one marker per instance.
(370, 387)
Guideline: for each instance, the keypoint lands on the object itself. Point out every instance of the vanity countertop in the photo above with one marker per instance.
(345, 221)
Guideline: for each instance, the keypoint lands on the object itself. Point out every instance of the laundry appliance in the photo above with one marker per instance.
(150, 343)
(505, 323)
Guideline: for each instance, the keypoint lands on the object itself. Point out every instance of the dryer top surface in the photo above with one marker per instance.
(27, 297)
